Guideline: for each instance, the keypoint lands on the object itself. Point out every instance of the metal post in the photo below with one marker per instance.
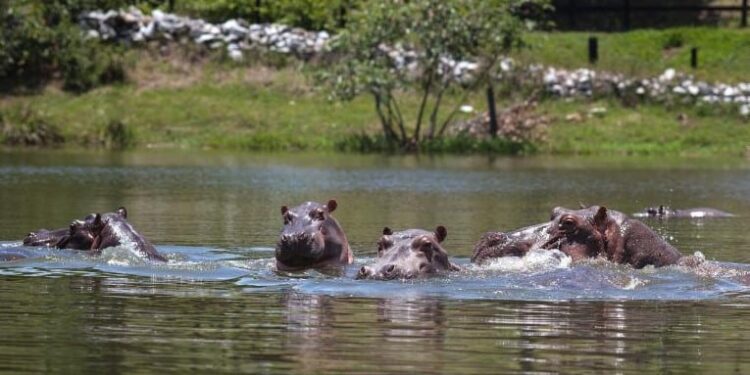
(593, 50)
(492, 110)
(743, 22)
(694, 57)
(170, 6)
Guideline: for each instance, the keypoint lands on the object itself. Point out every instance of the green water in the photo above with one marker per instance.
(219, 306)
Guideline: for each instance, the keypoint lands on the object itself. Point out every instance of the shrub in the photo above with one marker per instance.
(29, 128)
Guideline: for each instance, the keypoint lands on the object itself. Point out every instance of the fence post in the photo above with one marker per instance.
(743, 22)
(694, 57)
(492, 110)
(170, 6)
(593, 50)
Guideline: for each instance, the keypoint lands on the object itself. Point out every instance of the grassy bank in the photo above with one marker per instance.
(174, 100)
(723, 54)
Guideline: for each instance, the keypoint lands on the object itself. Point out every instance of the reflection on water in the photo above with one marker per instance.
(219, 305)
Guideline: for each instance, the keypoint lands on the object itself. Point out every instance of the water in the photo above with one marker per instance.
(220, 306)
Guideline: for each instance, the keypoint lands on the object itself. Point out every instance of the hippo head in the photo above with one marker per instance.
(79, 237)
(583, 233)
(500, 244)
(409, 254)
(44, 237)
(310, 237)
(86, 234)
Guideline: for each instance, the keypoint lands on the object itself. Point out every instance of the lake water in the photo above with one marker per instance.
(219, 306)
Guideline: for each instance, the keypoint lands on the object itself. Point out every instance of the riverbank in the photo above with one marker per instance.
(174, 100)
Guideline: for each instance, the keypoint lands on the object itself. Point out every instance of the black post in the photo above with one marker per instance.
(593, 50)
(492, 110)
(694, 57)
(256, 11)
(626, 15)
(170, 6)
(743, 22)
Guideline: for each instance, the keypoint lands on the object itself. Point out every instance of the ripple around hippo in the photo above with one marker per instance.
(540, 275)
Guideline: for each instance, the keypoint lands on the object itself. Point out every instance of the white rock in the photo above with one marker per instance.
(466, 108)
(668, 75)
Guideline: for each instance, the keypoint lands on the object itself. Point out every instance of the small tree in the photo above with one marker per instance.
(434, 34)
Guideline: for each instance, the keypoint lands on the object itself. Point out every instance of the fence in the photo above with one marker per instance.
(577, 14)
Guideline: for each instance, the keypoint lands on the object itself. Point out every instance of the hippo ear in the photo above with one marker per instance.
(441, 233)
(98, 221)
(600, 219)
(284, 210)
(122, 212)
(72, 228)
(387, 231)
(332, 205)
(581, 205)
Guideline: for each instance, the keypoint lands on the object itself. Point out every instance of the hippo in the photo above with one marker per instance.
(665, 212)
(311, 238)
(409, 254)
(45, 237)
(113, 229)
(75, 237)
(586, 233)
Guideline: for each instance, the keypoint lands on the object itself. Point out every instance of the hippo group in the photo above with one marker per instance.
(311, 238)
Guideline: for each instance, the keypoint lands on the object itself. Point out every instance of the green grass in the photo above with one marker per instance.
(220, 105)
(724, 53)
(646, 130)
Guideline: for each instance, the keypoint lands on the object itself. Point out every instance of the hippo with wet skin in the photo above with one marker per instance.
(665, 212)
(409, 254)
(111, 230)
(75, 237)
(586, 233)
(311, 238)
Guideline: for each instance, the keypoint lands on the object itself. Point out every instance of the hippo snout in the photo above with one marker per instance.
(365, 273)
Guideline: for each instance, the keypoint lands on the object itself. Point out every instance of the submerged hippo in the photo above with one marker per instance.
(113, 229)
(76, 237)
(586, 233)
(311, 238)
(663, 212)
(409, 254)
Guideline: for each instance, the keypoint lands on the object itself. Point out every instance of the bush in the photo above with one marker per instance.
(40, 42)
(309, 14)
(115, 134)
(29, 128)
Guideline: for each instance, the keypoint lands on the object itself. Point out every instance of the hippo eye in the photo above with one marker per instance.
(317, 214)
(567, 223)
(390, 269)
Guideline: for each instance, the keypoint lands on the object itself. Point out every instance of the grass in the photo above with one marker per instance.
(177, 101)
(723, 52)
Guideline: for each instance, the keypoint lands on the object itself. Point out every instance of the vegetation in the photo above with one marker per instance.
(252, 107)
(439, 30)
(39, 41)
(722, 53)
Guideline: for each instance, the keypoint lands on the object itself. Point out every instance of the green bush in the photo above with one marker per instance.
(39, 41)
(29, 128)
(309, 14)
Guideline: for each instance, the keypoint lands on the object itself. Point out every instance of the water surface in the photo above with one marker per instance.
(220, 306)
